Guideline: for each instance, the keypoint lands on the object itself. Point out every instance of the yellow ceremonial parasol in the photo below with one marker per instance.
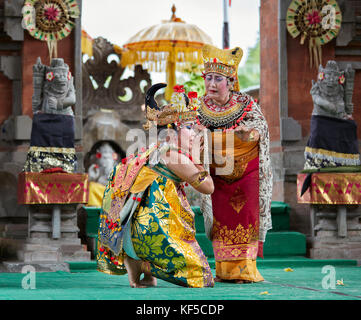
(168, 46)
(86, 43)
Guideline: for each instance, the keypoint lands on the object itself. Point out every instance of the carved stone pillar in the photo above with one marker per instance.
(335, 213)
(336, 232)
(53, 235)
(105, 88)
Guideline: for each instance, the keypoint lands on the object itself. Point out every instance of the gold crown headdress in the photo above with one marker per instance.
(224, 62)
(180, 110)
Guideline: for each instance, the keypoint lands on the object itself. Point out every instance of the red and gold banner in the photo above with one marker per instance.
(331, 188)
(51, 188)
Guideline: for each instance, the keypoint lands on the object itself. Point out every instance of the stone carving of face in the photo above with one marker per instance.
(330, 84)
(107, 158)
(329, 79)
(58, 76)
(61, 77)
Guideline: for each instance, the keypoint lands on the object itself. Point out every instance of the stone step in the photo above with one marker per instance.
(48, 228)
(39, 266)
(35, 256)
(13, 231)
(86, 266)
(335, 253)
(277, 244)
(279, 211)
(92, 220)
(284, 243)
(65, 248)
(77, 256)
(54, 251)
(69, 229)
(47, 241)
(39, 247)
(335, 248)
(205, 244)
(198, 219)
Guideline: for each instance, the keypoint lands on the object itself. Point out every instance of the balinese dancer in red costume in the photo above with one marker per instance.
(241, 202)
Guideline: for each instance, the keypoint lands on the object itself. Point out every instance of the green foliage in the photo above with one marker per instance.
(195, 82)
(249, 73)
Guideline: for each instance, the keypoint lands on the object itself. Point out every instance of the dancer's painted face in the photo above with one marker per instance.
(186, 135)
(217, 87)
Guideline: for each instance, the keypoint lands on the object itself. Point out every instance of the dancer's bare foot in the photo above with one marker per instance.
(243, 281)
(217, 279)
(148, 280)
(134, 269)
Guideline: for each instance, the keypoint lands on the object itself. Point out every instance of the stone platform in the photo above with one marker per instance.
(52, 238)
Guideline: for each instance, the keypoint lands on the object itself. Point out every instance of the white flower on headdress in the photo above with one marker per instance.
(50, 76)
(178, 101)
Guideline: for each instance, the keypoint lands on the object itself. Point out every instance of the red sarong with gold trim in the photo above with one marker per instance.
(235, 204)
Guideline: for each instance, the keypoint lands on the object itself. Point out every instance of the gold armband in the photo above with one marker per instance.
(202, 176)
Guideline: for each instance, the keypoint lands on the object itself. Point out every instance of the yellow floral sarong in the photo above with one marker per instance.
(162, 232)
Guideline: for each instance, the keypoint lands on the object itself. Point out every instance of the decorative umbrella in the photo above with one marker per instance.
(168, 46)
(86, 43)
(50, 20)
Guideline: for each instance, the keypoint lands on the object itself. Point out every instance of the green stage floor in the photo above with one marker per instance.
(307, 281)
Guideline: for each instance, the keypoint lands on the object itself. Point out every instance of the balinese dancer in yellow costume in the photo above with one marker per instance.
(147, 225)
(239, 212)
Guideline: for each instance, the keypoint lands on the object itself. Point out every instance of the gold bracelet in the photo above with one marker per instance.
(202, 176)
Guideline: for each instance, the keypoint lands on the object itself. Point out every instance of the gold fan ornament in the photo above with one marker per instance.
(50, 20)
(319, 21)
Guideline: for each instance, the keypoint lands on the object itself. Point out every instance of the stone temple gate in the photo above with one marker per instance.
(108, 104)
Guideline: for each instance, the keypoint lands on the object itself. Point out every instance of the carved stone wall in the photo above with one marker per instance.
(112, 102)
(111, 106)
(347, 42)
(103, 86)
(13, 127)
(18, 53)
(284, 94)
